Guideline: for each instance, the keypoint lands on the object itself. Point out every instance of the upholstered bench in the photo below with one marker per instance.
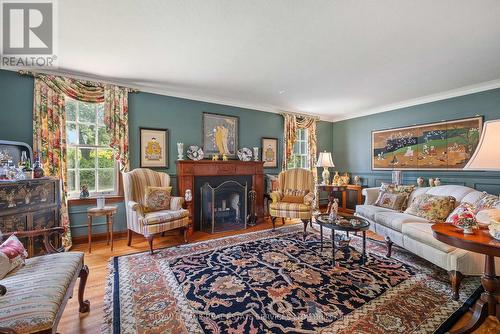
(37, 293)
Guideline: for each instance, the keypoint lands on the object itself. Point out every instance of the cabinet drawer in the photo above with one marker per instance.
(28, 194)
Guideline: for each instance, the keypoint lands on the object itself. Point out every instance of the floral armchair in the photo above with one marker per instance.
(294, 197)
(153, 223)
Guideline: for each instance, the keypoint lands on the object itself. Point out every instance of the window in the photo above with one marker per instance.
(90, 159)
(300, 157)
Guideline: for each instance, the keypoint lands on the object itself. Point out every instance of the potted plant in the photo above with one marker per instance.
(466, 220)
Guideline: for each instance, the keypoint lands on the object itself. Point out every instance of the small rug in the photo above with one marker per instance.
(276, 282)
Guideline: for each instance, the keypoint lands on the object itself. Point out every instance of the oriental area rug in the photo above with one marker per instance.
(277, 282)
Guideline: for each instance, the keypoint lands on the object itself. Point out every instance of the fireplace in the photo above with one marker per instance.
(193, 175)
(223, 207)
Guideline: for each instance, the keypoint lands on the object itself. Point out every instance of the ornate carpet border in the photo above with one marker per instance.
(112, 295)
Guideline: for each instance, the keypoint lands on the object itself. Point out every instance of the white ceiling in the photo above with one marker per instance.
(337, 59)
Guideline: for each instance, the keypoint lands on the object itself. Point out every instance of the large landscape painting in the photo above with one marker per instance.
(444, 145)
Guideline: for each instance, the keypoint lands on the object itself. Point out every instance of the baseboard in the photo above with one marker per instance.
(83, 239)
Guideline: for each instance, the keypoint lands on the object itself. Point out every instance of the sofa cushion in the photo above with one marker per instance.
(12, 255)
(432, 207)
(392, 201)
(369, 211)
(487, 201)
(36, 291)
(395, 220)
(457, 191)
(163, 216)
(422, 232)
(398, 189)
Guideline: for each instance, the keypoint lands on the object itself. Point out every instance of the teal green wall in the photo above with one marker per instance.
(352, 139)
(182, 117)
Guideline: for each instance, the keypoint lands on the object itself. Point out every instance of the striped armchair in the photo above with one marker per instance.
(150, 224)
(294, 197)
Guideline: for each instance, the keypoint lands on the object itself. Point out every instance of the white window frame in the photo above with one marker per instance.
(76, 193)
(300, 156)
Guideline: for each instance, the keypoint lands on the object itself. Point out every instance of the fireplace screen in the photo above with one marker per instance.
(223, 207)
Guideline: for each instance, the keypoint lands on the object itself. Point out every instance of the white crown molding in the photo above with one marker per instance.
(477, 88)
(484, 86)
(171, 93)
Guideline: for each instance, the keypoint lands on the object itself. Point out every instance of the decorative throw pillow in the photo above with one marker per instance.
(398, 189)
(487, 201)
(431, 207)
(391, 201)
(459, 210)
(12, 255)
(294, 196)
(157, 198)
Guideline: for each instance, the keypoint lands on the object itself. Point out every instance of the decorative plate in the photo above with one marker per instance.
(244, 154)
(195, 153)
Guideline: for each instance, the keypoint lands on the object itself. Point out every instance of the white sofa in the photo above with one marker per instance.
(415, 234)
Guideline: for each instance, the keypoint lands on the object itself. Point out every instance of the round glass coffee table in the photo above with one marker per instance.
(346, 224)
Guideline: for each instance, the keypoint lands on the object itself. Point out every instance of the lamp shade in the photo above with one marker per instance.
(487, 154)
(325, 160)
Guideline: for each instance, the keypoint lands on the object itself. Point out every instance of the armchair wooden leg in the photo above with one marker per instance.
(455, 279)
(282, 221)
(150, 241)
(305, 221)
(388, 243)
(186, 234)
(84, 304)
(273, 219)
(129, 237)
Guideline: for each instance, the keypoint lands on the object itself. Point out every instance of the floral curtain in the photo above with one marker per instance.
(49, 124)
(293, 122)
(49, 142)
(116, 120)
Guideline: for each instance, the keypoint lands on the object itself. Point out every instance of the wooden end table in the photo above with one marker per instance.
(479, 242)
(324, 220)
(108, 212)
(331, 189)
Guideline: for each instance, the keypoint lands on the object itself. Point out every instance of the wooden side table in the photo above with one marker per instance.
(109, 212)
(479, 242)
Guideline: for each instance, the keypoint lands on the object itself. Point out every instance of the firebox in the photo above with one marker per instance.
(223, 207)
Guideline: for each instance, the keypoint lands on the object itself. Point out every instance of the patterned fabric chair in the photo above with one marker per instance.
(33, 297)
(298, 182)
(150, 224)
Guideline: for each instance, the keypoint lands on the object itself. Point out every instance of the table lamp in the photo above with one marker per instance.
(325, 161)
(487, 154)
(487, 158)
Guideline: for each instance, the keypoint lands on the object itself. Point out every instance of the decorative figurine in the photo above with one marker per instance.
(345, 179)
(431, 182)
(336, 179)
(215, 157)
(188, 195)
(437, 182)
(255, 154)
(334, 209)
(357, 180)
(37, 168)
(224, 157)
(420, 182)
(180, 151)
(84, 191)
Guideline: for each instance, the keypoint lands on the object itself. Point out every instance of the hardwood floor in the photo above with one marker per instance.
(97, 261)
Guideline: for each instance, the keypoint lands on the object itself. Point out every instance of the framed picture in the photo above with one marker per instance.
(446, 145)
(154, 147)
(220, 134)
(270, 152)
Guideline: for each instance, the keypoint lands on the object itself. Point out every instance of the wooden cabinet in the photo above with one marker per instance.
(30, 205)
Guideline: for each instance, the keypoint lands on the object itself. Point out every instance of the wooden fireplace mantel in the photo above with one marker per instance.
(187, 170)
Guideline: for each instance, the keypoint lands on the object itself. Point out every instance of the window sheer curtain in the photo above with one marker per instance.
(49, 125)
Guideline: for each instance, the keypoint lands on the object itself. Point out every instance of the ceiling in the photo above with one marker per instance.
(336, 59)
